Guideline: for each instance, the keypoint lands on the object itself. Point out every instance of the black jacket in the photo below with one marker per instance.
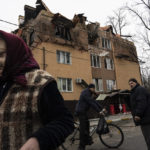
(86, 101)
(140, 104)
(57, 120)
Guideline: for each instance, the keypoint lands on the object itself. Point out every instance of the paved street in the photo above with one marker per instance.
(133, 139)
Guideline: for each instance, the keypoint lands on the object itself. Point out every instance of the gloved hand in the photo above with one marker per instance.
(103, 112)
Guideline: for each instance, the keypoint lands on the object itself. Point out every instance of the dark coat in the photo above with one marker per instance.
(86, 101)
(57, 120)
(140, 104)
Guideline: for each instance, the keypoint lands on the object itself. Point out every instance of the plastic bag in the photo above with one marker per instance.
(102, 127)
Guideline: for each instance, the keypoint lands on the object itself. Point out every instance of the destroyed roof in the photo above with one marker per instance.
(60, 20)
(118, 35)
(31, 12)
(43, 4)
(107, 28)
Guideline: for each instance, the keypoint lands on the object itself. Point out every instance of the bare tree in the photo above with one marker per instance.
(118, 22)
(141, 10)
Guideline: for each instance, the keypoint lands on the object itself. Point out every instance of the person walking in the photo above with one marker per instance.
(140, 108)
(85, 102)
(32, 111)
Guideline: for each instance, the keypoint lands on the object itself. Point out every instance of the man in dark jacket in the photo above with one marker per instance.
(140, 108)
(85, 102)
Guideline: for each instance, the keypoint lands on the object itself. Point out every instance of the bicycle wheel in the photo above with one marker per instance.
(73, 139)
(114, 138)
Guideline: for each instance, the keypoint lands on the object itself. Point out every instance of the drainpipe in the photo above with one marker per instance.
(44, 65)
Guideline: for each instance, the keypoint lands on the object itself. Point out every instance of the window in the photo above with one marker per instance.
(64, 84)
(63, 32)
(106, 43)
(32, 36)
(98, 84)
(95, 61)
(109, 64)
(110, 84)
(63, 57)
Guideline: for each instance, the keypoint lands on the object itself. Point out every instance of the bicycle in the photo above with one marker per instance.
(112, 139)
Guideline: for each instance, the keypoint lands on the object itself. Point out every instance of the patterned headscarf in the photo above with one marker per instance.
(19, 59)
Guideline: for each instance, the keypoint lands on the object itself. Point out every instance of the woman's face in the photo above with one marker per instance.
(2, 55)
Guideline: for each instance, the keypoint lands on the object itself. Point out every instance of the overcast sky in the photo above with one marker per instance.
(94, 10)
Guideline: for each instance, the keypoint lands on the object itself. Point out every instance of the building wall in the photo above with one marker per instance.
(125, 67)
(103, 73)
(79, 68)
(124, 71)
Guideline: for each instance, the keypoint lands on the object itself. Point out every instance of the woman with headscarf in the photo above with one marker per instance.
(32, 111)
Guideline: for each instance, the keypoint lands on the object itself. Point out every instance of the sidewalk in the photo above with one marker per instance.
(113, 118)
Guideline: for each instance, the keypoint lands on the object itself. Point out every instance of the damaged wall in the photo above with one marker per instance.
(46, 27)
(58, 29)
(126, 63)
(124, 49)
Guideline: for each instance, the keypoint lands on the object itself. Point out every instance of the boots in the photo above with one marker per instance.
(81, 148)
(89, 141)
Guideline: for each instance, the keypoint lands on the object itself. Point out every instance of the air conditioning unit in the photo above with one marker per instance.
(78, 80)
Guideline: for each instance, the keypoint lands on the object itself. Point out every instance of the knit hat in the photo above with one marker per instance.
(91, 85)
(133, 80)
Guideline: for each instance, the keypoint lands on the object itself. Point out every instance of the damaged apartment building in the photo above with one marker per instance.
(77, 53)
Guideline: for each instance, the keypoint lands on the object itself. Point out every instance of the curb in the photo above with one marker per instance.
(94, 121)
(121, 119)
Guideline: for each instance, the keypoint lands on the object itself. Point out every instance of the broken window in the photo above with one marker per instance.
(106, 43)
(64, 84)
(62, 26)
(110, 84)
(98, 84)
(31, 40)
(63, 57)
(95, 61)
(63, 32)
(109, 65)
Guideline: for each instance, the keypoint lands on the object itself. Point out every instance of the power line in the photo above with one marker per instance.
(8, 22)
(31, 27)
(49, 51)
(28, 27)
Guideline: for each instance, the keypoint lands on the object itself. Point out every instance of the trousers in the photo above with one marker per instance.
(146, 133)
(84, 130)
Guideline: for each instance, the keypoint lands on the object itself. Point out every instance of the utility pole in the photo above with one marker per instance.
(44, 65)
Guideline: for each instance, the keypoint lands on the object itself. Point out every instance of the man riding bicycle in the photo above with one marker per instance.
(85, 102)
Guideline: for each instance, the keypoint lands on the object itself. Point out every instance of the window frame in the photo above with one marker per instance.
(100, 88)
(97, 58)
(60, 86)
(108, 84)
(110, 65)
(106, 43)
(60, 53)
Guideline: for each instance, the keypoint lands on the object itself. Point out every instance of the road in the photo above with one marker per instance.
(134, 139)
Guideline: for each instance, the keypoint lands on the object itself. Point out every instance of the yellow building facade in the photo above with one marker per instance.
(76, 54)
(79, 67)
(126, 62)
